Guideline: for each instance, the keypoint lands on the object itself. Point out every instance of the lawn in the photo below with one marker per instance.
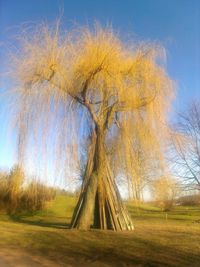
(44, 239)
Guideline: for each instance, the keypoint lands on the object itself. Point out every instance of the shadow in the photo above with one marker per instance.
(41, 223)
(96, 248)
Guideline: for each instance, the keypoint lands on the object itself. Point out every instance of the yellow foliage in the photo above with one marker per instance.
(115, 83)
(165, 190)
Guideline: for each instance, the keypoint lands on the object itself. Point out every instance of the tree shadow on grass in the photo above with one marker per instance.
(40, 222)
(96, 248)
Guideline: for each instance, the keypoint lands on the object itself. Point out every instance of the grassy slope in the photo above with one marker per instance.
(156, 241)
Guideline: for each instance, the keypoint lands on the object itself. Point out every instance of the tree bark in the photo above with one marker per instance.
(100, 205)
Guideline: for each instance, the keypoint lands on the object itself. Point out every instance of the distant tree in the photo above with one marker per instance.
(190, 200)
(165, 190)
(186, 147)
(114, 88)
(15, 181)
(3, 188)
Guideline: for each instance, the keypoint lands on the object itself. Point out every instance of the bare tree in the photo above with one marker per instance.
(113, 87)
(186, 144)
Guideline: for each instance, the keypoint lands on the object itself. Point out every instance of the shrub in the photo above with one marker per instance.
(15, 197)
(35, 196)
(190, 200)
(3, 189)
(15, 181)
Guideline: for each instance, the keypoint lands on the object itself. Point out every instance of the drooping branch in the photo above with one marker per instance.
(142, 102)
(99, 72)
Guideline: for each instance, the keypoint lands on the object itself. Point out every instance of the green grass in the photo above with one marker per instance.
(57, 214)
(158, 240)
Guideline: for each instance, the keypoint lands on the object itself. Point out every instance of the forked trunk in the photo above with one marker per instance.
(100, 205)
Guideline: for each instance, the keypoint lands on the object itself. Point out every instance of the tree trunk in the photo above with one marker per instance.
(99, 199)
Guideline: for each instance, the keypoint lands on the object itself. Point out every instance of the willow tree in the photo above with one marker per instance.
(117, 86)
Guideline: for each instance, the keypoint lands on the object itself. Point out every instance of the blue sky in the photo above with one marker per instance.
(174, 23)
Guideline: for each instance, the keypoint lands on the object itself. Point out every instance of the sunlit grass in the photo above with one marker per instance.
(156, 241)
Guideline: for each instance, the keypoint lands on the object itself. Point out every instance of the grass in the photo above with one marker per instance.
(158, 240)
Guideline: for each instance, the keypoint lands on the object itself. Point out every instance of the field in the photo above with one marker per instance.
(44, 239)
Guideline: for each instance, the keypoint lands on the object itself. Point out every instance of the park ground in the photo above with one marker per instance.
(44, 239)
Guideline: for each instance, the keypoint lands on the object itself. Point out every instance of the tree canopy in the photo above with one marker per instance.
(86, 84)
(96, 71)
